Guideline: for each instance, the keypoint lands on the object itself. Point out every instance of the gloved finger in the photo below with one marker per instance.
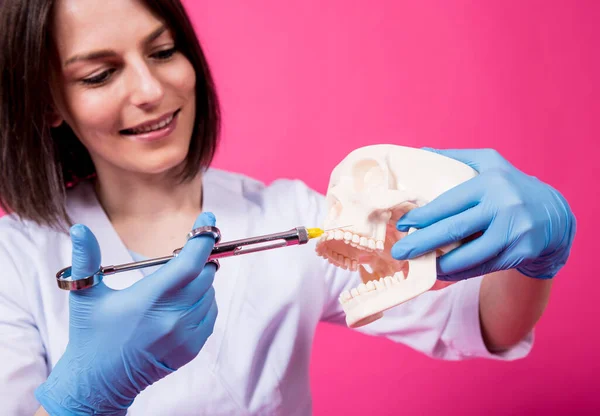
(504, 261)
(474, 253)
(452, 202)
(198, 326)
(479, 159)
(207, 325)
(194, 314)
(198, 287)
(440, 234)
(85, 258)
(199, 310)
(188, 264)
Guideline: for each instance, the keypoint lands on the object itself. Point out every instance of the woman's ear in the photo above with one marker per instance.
(54, 118)
(55, 122)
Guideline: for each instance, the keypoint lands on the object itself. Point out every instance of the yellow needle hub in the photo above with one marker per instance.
(314, 232)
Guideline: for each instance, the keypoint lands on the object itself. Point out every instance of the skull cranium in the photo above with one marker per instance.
(369, 190)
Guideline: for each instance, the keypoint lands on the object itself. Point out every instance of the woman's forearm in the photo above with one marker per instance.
(510, 306)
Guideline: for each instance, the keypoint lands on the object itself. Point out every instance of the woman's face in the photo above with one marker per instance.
(126, 90)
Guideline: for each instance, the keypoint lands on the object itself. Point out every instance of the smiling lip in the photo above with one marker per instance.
(157, 134)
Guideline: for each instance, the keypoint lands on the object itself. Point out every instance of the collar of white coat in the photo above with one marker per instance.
(223, 195)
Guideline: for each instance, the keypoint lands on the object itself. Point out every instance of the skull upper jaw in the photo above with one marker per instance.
(366, 239)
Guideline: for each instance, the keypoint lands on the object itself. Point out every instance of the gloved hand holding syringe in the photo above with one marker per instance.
(119, 345)
(295, 236)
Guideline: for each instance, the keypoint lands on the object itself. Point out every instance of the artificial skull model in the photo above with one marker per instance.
(369, 190)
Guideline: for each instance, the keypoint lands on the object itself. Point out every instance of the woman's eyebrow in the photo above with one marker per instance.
(105, 53)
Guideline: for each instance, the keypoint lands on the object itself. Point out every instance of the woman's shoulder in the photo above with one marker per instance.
(279, 188)
(281, 194)
(15, 231)
(22, 240)
(18, 252)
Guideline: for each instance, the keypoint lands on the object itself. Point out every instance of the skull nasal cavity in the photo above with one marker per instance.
(369, 174)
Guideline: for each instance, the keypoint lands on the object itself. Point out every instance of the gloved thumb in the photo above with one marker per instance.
(85, 257)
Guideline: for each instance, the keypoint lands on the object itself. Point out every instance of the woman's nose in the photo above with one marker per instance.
(147, 90)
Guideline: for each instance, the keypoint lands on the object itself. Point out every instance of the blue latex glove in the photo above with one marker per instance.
(122, 341)
(525, 223)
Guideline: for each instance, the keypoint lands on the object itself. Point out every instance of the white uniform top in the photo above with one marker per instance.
(257, 359)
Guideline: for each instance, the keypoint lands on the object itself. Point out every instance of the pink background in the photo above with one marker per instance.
(304, 82)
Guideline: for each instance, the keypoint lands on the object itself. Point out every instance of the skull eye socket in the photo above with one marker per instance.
(368, 174)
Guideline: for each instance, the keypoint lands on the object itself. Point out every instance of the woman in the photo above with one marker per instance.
(108, 124)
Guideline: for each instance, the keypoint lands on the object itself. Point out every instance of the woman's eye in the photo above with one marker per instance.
(98, 79)
(104, 76)
(164, 54)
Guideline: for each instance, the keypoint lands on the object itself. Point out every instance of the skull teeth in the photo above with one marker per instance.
(354, 240)
(340, 260)
(384, 283)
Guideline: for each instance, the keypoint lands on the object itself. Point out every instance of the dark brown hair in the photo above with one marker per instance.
(37, 162)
